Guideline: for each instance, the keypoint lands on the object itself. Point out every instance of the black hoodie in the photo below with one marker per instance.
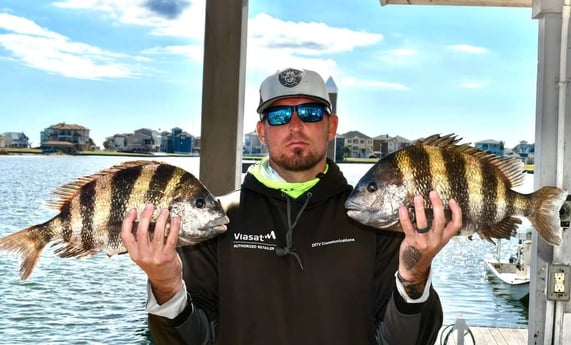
(332, 282)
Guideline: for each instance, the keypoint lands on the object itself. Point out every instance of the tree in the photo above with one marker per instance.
(346, 152)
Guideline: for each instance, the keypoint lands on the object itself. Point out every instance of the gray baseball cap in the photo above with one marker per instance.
(291, 82)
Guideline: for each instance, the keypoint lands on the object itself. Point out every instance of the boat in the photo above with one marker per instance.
(514, 272)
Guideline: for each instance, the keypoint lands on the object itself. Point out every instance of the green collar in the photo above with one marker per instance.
(264, 173)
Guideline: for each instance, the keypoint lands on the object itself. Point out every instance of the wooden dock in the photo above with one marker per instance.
(485, 336)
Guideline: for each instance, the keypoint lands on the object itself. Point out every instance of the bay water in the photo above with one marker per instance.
(101, 300)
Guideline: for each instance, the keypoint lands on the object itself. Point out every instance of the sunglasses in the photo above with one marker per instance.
(307, 112)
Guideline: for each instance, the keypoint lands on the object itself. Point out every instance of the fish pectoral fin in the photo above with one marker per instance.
(68, 250)
(506, 228)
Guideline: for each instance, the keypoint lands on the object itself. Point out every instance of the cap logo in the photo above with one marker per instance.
(290, 77)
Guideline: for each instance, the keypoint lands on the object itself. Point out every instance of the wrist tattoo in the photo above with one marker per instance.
(413, 289)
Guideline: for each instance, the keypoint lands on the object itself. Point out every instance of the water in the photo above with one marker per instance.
(101, 300)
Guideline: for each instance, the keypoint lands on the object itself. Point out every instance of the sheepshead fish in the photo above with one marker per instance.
(480, 182)
(92, 209)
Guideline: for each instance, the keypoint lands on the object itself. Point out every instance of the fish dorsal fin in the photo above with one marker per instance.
(510, 169)
(66, 192)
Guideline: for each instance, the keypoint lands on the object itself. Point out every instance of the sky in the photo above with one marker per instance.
(117, 66)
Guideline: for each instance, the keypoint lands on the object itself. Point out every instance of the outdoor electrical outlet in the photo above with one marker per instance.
(558, 282)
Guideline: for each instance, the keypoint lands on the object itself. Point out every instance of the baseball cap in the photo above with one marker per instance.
(291, 82)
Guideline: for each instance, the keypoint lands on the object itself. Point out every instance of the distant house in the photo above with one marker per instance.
(117, 142)
(491, 146)
(15, 139)
(177, 141)
(196, 145)
(2, 141)
(359, 145)
(339, 148)
(253, 146)
(139, 142)
(67, 138)
(150, 139)
(524, 151)
(384, 144)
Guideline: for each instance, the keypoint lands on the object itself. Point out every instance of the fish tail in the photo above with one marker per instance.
(28, 244)
(547, 201)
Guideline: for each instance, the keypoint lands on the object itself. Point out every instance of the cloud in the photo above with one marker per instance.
(274, 43)
(306, 38)
(169, 9)
(192, 52)
(472, 84)
(45, 50)
(399, 56)
(174, 18)
(465, 48)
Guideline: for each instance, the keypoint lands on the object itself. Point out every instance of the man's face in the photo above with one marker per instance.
(297, 145)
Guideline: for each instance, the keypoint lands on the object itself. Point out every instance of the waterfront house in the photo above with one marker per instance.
(15, 140)
(176, 141)
(524, 151)
(2, 141)
(253, 146)
(151, 139)
(359, 145)
(384, 144)
(340, 148)
(491, 146)
(118, 142)
(66, 138)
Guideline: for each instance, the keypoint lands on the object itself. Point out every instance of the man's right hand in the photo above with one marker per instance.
(157, 256)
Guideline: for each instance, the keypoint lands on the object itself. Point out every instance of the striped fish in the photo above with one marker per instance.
(480, 182)
(92, 209)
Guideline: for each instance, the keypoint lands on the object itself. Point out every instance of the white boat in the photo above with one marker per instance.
(514, 272)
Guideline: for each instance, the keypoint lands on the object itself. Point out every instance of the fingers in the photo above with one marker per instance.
(127, 231)
(142, 234)
(172, 237)
(439, 220)
(456, 222)
(148, 238)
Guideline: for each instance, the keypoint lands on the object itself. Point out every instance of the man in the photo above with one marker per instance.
(292, 267)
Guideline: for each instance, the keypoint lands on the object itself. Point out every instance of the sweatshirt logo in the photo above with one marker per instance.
(255, 241)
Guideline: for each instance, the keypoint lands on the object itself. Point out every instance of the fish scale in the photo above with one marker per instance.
(92, 208)
(481, 183)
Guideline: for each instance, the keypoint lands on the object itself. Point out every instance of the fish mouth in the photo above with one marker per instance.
(367, 216)
(218, 224)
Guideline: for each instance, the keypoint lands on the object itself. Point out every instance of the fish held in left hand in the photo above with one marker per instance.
(92, 209)
(481, 183)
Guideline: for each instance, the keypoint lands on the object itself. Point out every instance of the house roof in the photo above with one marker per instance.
(69, 126)
(487, 141)
(382, 137)
(353, 134)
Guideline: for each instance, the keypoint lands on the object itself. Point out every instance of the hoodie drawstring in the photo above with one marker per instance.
(282, 251)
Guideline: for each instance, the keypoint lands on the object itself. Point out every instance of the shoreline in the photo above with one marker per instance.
(20, 152)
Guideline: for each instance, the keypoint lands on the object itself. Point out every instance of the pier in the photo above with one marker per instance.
(484, 336)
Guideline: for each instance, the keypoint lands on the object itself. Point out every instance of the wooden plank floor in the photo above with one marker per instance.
(486, 336)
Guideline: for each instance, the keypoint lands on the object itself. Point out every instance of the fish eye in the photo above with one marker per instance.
(200, 203)
(372, 187)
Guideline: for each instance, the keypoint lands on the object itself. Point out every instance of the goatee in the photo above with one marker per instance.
(298, 160)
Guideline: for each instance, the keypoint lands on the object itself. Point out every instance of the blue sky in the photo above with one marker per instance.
(117, 66)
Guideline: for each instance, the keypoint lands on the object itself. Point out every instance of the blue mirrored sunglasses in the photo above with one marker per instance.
(307, 112)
